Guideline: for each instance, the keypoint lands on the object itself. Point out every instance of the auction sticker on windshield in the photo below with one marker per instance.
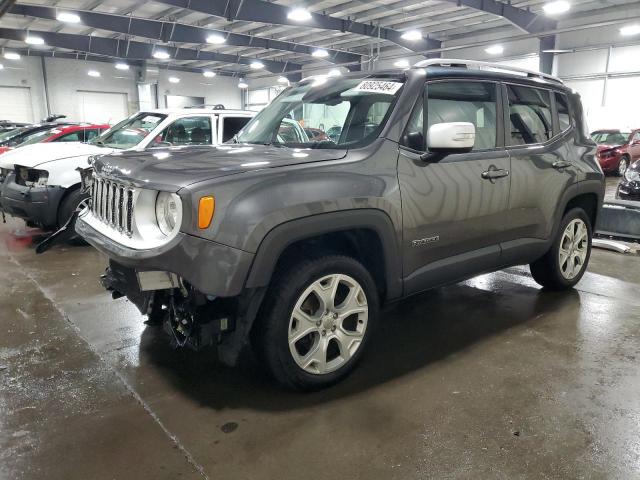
(378, 86)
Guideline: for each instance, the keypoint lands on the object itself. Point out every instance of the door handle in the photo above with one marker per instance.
(494, 173)
(560, 164)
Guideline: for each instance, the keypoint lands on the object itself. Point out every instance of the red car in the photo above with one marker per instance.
(617, 149)
(62, 133)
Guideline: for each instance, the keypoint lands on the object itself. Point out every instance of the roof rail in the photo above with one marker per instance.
(478, 65)
(214, 106)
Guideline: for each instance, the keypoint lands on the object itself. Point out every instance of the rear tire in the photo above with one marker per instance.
(68, 205)
(566, 261)
(316, 321)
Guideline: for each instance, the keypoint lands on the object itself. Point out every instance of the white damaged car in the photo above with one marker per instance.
(39, 183)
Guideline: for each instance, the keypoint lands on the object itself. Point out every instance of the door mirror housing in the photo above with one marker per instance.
(414, 141)
(451, 137)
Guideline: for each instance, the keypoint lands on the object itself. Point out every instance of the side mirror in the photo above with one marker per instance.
(451, 137)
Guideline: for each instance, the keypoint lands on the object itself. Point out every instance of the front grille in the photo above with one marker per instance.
(112, 203)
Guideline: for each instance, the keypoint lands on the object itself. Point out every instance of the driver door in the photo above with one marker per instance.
(453, 216)
(634, 147)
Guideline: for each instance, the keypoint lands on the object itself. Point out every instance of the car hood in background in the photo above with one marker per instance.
(39, 153)
(605, 148)
(177, 167)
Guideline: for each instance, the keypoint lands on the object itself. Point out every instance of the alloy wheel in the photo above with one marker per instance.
(573, 249)
(328, 324)
(622, 166)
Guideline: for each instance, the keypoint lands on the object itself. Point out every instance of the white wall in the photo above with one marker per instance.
(66, 77)
(25, 72)
(219, 89)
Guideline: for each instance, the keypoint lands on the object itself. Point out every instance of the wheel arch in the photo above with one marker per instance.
(367, 234)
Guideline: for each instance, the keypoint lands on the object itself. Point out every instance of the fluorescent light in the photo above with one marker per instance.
(320, 53)
(68, 17)
(630, 30)
(242, 84)
(283, 80)
(557, 50)
(1, 66)
(209, 73)
(174, 80)
(31, 40)
(334, 73)
(216, 39)
(12, 56)
(554, 8)
(161, 55)
(256, 65)
(402, 63)
(494, 49)
(411, 35)
(93, 73)
(299, 15)
(122, 66)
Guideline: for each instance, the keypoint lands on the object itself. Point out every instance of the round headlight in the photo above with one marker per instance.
(632, 175)
(168, 212)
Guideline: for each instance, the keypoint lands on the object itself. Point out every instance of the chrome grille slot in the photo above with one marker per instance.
(112, 204)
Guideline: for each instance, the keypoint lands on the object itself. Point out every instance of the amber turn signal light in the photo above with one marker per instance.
(206, 208)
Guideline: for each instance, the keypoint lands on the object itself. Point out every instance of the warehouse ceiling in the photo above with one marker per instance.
(349, 31)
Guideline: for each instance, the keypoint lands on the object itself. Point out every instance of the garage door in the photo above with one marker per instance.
(15, 104)
(102, 107)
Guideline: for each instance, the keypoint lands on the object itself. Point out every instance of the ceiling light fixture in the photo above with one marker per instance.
(1, 66)
(256, 65)
(402, 63)
(242, 84)
(411, 35)
(216, 39)
(174, 80)
(283, 80)
(557, 50)
(320, 53)
(334, 73)
(209, 73)
(630, 30)
(557, 7)
(12, 56)
(93, 73)
(161, 55)
(494, 49)
(68, 17)
(31, 40)
(299, 15)
(122, 66)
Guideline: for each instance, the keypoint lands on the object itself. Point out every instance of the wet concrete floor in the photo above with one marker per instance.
(490, 378)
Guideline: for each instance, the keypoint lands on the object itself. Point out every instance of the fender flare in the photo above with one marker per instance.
(279, 238)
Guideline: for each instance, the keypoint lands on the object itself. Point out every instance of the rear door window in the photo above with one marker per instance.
(529, 115)
(231, 126)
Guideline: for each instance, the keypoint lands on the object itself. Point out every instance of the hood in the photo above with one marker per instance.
(174, 168)
(39, 153)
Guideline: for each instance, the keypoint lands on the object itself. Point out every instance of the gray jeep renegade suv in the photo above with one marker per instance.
(295, 244)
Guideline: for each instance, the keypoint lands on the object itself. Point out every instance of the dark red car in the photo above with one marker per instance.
(617, 149)
(61, 133)
(316, 134)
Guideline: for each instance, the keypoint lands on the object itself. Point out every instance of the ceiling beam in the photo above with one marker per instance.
(176, 32)
(525, 20)
(271, 13)
(126, 49)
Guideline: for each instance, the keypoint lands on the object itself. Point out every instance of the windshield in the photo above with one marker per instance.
(39, 136)
(325, 113)
(130, 132)
(610, 138)
(11, 133)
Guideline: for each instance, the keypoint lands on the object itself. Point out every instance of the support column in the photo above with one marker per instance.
(546, 59)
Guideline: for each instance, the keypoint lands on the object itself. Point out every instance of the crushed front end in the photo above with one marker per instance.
(190, 285)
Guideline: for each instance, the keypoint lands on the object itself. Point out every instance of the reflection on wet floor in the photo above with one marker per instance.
(489, 378)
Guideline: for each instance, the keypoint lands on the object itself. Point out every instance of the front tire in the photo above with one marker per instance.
(71, 201)
(566, 261)
(316, 321)
(623, 165)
